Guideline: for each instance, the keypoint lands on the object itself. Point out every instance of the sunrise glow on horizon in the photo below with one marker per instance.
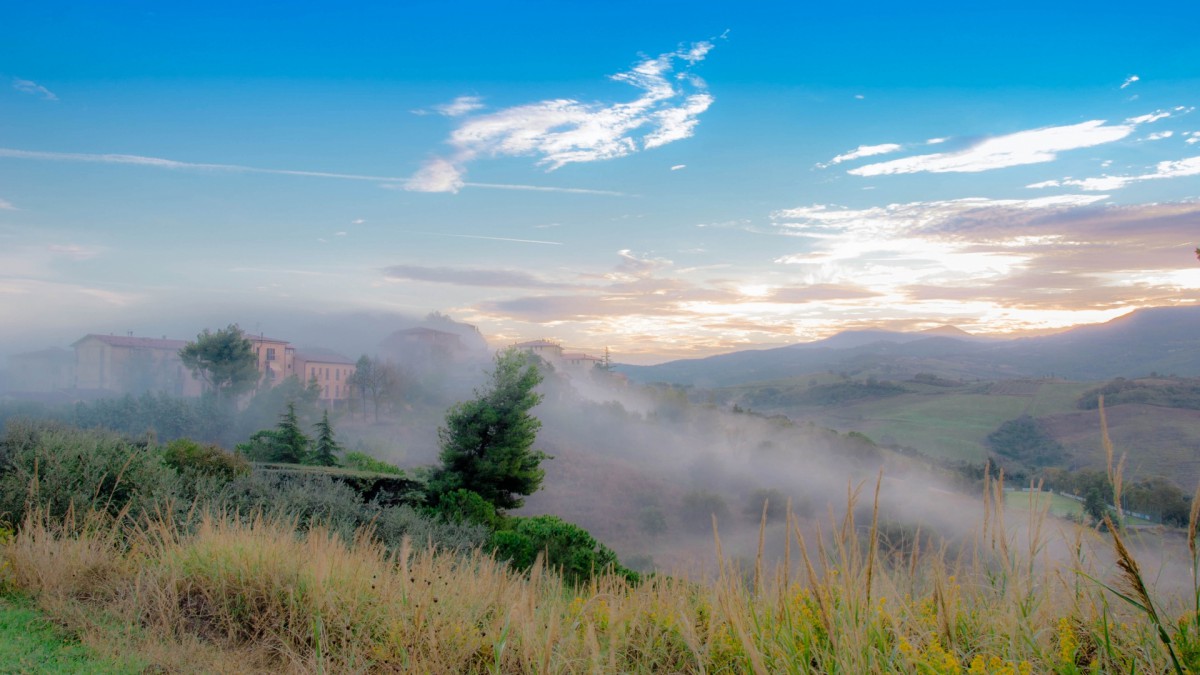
(668, 182)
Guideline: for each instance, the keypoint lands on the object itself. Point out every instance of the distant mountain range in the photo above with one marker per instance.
(1165, 340)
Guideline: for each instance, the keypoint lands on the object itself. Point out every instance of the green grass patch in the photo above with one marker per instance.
(31, 644)
(953, 423)
(1060, 506)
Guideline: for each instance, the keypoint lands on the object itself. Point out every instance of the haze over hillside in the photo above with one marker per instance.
(1164, 340)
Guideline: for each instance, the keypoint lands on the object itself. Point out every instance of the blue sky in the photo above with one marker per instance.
(665, 179)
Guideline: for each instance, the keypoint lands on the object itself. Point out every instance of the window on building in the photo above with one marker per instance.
(337, 374)
(270, 353)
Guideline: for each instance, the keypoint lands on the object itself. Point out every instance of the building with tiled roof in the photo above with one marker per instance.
(125, 364)
(330, 371)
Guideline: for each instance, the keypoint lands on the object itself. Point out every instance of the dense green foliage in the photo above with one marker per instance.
(567, 548)
(1168, 393)
(1026, 441)
(311, 499)
(361, 461)
(486, 444)
(464, 506)
(167, 416)
(285, 444)
(61, 469)
(224, 360)
(1156, 498)
(189, 458)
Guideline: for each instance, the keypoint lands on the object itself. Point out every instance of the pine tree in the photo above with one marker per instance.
(486, 443)
(326, 449)
(290, 443)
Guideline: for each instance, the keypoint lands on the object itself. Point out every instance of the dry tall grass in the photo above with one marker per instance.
(238, 596)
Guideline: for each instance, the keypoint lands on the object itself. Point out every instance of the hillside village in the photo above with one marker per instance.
(99, 366)
(107, 365)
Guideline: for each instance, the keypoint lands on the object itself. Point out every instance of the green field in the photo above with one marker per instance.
(950, 423)
(1059, 505)
(31, 644)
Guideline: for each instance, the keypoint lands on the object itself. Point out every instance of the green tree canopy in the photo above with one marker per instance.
(1026, 440)
(224, 360)
(285, 444)
(326, 449)
(486, 444)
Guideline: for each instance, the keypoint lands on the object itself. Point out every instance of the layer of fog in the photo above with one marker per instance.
(638, 466)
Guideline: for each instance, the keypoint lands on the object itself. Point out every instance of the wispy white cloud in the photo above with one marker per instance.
(563, 131)
(1169, 169)
(160, 163)
(460, 106)
(1044, 184)
(1130, 80)
(883, 221)
(677, 167)
(31, 87)
(358, 221)
(433, 175)
(6, 205)
(863, 151)
(1158, 136)
(1149, 117)
(1023, 147)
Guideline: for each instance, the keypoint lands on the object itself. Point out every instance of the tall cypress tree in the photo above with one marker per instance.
(326, 449)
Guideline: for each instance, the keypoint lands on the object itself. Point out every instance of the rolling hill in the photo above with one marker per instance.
(1162, 339)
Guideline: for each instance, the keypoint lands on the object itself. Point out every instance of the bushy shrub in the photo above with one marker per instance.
(1027, 441)
(569, 549)
(307, 500)
(361, 461)
(190, 458)
(464, 506)
(314, 499)
(394, 523)
(57, 468)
